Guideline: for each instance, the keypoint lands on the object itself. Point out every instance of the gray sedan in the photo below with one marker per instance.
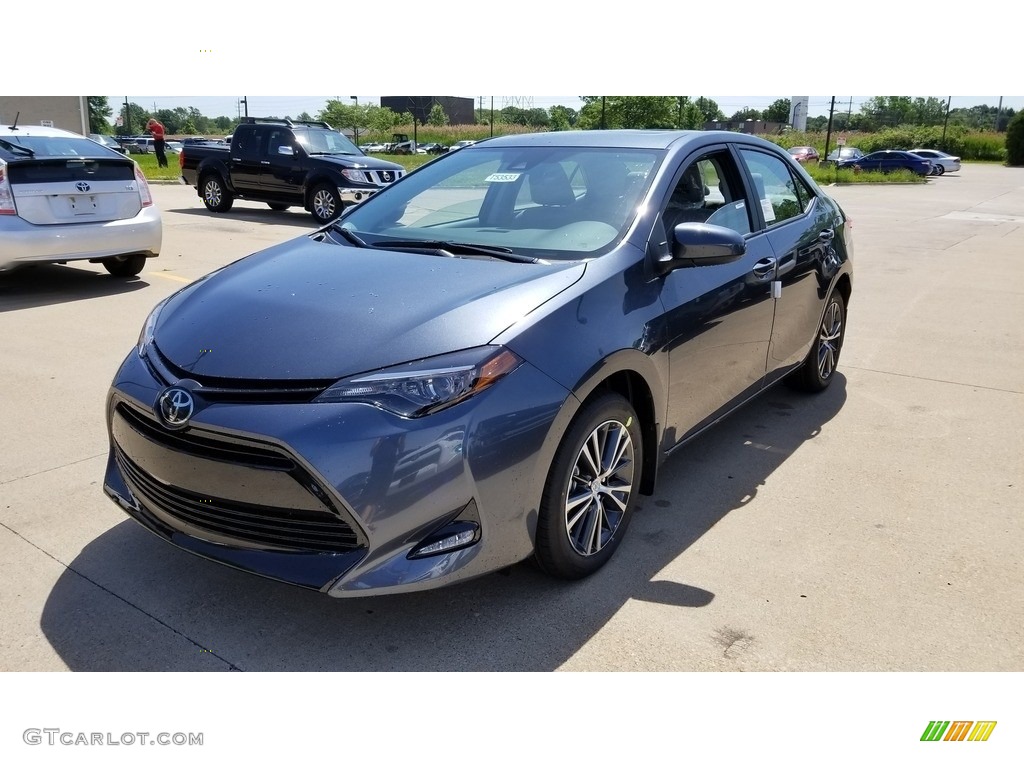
(486, 361)
(941, 162)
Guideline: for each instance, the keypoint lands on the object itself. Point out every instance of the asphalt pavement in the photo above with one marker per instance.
(875, 527)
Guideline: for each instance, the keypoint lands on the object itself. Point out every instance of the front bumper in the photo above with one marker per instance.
(335, 497)
(25, 243)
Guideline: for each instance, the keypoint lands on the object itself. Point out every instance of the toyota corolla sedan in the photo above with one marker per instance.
(485, 362)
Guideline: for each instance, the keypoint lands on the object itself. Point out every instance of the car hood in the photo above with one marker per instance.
(307, 310)
(359, 161)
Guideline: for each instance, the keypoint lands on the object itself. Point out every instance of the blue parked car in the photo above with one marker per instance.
(485, 361)
(887, 160)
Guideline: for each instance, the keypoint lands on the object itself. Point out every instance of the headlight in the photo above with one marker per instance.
(426, 386)
(353, 175)
(146, 335)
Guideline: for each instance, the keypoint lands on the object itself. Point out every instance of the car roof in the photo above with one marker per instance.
(36, 130)
(626, 139)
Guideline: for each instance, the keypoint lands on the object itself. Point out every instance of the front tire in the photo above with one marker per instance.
(591, 491)
(215, 195)
(126, 266)
(819, 368)
(324, 203)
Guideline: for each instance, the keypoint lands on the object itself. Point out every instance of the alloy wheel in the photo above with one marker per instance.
(599, 490)
(829, 339)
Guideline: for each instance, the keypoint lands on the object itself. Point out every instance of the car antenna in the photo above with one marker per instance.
(15, 126)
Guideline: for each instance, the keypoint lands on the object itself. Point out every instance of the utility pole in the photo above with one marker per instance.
(127, 118)
(828, 133)
(245, 104)
(492, 116)
(949, 101)
(999, 110)
(603, 124)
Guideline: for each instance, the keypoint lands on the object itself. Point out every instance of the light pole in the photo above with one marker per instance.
(355, 119)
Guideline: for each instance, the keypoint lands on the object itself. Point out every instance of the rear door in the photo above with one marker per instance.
(800, 226)
(246, 153)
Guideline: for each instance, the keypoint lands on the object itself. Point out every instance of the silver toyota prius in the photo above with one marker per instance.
(64, 197)
(485, 362)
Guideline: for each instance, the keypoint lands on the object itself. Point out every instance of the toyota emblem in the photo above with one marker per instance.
(175, 407)
(83, 186)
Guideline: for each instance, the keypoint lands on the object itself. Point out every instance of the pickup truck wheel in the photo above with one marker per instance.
(324, 203)
(124, 266)
(215, 196)
(278, 206)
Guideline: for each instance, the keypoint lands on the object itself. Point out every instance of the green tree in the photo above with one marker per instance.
(1015, 140)
(341, 115)
(747, 113)
(134, 122)
(99, 114)
(628, 111)
(562, 118)
(437, 116)
(778, 111)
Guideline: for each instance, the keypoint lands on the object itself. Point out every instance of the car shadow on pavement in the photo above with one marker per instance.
(44, 284)
(294, 217)
(132, 602)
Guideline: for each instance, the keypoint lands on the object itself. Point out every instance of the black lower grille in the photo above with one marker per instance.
(240, 523)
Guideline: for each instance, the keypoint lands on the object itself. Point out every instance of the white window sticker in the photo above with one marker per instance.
(503, 177)
(767, 210)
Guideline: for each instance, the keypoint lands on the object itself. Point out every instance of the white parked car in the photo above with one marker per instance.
(941, 162)
(460, 144)
(63, 197)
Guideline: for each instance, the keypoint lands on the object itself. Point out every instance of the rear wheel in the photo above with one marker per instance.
(215, 196)
(124, 266)
(279, 206)
(939, 169)
(324, 202)
(819, 368)
(590, 493)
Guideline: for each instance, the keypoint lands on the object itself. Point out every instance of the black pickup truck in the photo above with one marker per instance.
(284, 163)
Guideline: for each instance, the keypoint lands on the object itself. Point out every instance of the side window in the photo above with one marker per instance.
(247, 143)
(278, 138)
(775, 186)
(709, 191)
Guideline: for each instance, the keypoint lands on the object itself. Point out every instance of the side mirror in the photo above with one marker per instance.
(702, 245)
(286, 150)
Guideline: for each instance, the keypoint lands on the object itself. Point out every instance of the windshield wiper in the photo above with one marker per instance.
(351, 236)
(17, 148)
(449, 248)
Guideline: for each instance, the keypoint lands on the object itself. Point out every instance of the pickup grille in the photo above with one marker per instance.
(383, 178)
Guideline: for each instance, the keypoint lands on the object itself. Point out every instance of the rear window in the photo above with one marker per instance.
(54, 170)
(60, 146)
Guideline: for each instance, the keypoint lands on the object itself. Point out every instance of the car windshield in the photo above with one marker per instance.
(60, 146)
(539, 202)
(322, 141)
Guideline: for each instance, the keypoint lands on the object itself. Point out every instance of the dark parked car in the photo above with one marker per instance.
(888, 160)
(434, 148)
(109, 142)
(488, 359)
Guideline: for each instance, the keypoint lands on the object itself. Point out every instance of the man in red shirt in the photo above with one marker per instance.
(156, 129)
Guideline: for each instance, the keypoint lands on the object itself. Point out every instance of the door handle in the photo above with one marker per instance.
(764, 270)
(826, 235)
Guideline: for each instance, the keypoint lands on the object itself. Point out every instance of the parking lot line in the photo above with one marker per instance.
(178, 278)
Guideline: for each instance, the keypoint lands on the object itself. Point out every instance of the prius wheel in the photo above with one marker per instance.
(124, 266)
(591, 490)
(819, 368)
(215, 197)
(324, 203)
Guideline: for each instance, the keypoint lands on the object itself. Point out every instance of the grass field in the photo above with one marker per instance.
(821, 174)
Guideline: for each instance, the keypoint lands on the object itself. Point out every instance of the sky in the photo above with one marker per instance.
(292, 106)
(645, 48)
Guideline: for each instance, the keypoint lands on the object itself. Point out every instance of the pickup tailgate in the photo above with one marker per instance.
(74, 190)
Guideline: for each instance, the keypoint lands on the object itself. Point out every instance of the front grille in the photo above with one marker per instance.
(195, 443)
(383, 178)
(233, 522)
